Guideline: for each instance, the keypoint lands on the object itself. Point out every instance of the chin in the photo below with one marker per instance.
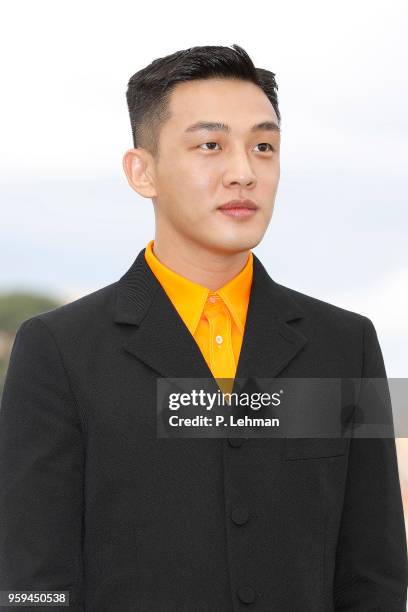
(248, 238)
(233, 244)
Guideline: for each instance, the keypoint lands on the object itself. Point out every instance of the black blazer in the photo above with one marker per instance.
(94, 503)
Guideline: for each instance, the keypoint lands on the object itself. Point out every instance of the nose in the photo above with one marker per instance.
(239, 171)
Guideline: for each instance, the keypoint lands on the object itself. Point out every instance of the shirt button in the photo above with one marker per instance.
(212, 299)
(246, 594)
(218, 339)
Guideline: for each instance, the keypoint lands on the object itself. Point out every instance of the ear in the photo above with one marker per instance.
(138, 167)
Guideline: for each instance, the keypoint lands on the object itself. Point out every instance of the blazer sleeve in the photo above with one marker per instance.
(41, 471)
(371, 562)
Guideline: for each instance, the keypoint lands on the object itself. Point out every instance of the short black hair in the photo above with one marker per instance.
(149, 89)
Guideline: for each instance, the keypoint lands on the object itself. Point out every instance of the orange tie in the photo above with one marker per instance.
(221, 353)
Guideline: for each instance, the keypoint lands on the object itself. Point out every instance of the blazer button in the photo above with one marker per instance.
(240, 516)
(246, 594)
(236, 442)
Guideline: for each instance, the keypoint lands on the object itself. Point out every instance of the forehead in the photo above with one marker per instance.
(233, 101)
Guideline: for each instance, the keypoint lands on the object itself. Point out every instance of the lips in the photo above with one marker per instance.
(239, 204)
(238, 209)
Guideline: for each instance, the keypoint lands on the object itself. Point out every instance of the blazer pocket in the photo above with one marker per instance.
(315, 448)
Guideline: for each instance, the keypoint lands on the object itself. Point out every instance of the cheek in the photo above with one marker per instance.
(199, 180)
(184, 178)
(196, 194)
(270, 178)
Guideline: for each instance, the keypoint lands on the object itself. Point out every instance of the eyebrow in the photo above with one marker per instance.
(216, 126)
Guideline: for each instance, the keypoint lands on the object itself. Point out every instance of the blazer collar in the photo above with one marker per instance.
(189, 298)
(160, 339)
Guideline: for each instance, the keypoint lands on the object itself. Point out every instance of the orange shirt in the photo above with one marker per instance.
(215, 319)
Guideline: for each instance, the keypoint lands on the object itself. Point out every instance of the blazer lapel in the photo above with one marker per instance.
(158, 336)
(270, 342)
(161, 340)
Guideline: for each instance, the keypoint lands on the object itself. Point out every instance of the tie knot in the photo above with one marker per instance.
(213, 297)
(214, 304)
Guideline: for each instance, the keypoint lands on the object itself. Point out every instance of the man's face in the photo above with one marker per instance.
(199, 170)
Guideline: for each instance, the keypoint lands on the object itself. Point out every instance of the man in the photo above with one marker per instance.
(92, 500)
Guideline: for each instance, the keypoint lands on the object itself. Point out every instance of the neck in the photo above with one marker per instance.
(209, 268)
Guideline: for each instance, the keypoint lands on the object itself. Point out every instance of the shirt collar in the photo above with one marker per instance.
(189, 297)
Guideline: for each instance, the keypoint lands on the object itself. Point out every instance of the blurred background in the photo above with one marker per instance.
(70, 223)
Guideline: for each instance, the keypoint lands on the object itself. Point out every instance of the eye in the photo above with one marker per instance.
(262, 144)
(208, 143)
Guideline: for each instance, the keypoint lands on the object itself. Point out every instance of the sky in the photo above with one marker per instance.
(70, 222)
